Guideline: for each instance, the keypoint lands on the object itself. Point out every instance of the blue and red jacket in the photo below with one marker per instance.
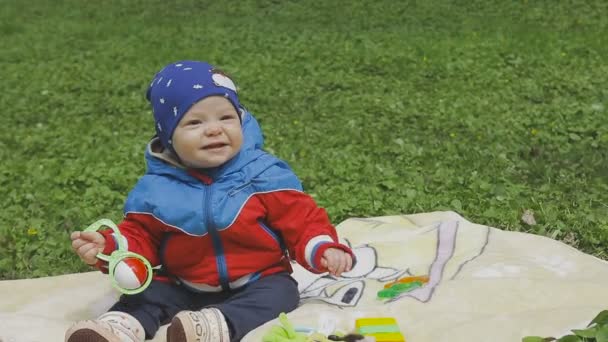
(222, 228)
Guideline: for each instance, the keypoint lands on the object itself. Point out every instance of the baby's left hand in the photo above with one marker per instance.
(336, 261)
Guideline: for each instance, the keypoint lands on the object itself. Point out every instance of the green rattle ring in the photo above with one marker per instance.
(130, 272)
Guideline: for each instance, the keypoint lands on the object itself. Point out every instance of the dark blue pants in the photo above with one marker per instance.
(244, 309)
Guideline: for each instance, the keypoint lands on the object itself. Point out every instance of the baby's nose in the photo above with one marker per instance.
(213, 129)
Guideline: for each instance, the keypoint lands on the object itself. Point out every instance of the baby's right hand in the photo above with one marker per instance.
(87, 245)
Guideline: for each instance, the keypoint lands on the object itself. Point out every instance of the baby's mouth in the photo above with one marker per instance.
(214, 145)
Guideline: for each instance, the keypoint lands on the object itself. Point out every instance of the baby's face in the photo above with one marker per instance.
(209, 134)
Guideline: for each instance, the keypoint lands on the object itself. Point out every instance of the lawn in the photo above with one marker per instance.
(487, 108)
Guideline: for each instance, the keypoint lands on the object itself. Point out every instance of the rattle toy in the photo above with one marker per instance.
(130, 272)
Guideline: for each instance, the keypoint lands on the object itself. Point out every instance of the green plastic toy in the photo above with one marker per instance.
(284, 332)
(398, 288)
(125, 261)
(287, 333)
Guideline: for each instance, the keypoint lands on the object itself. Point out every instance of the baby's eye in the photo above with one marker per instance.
(228, 117)
(193, 122)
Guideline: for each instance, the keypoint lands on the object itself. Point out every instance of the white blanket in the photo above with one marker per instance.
(484, 285)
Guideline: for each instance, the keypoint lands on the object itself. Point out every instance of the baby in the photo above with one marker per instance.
(220, 217)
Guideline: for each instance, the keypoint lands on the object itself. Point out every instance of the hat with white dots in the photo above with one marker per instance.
(178, 86)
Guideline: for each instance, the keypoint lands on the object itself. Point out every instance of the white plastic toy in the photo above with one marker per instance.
(130, 272)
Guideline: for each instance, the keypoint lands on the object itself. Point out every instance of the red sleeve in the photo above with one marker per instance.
(304, 226)
(141, 233)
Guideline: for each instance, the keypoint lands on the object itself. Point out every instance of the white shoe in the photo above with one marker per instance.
(206, 325)
(112, 326)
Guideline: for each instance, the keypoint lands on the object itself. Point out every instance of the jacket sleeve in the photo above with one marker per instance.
(141, 234)
(304, 226)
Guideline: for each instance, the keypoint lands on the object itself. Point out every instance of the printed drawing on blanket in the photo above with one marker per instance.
(448, 257)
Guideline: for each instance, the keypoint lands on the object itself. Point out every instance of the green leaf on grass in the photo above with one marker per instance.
(590, 332)
(602, 334)
(600, 319)
(533, 339)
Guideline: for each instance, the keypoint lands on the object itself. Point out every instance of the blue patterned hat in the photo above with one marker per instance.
(178, 86)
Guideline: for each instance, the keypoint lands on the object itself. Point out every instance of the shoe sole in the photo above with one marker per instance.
(175, 332)
(86, 335)
(197, 325)
(87, 331)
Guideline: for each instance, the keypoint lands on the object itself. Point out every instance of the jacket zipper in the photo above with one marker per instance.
(220, 258)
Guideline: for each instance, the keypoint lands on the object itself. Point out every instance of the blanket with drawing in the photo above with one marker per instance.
(480, 284)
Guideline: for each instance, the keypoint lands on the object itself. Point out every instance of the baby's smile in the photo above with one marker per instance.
(214, 146)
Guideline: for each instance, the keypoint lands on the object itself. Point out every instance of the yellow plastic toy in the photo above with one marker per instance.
(383, 329)
(408, 280)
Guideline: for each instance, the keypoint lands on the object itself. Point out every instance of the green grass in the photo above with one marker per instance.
(486, 108)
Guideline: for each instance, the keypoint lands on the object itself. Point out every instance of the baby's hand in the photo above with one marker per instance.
(87, 245)
(336, 261)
